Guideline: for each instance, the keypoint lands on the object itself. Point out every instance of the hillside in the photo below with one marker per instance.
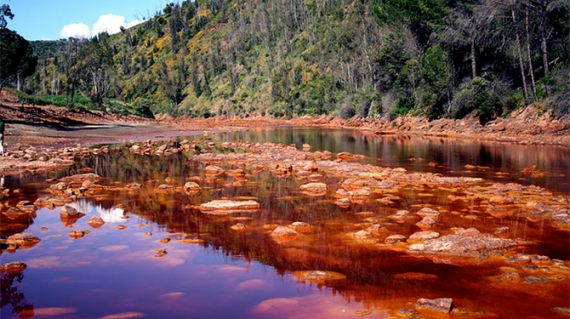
(440, 58)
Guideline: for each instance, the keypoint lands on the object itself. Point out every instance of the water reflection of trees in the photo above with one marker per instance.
(11, 295)
(450, 154)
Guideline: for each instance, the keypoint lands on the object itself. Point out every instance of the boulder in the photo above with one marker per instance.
(236, 173)
(43, 202)
(300, 226)
(311, 167)
(164, 188)
(81, 177)
(59, 186)
(426, 211)
(212, 170)
(314, 189)
(191, 188)
(56, 202)
(423, 236)
(344, 156)
(362, 234)
(14, 213)
(224, 207)
(426, 222)
(70, 212)
(13, 267)
(284, 231)
(23, 239)
(359, 195)
(96, 221)
(394, 239)
(443, 305)
(76, 234)
(463, 243)
(376, 229)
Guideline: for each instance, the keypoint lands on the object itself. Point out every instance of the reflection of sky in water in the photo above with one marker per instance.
(112, 215)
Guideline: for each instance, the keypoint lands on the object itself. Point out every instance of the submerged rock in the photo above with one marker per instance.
(562, 310)
(224, 207)
(407, 313)
(238, 227)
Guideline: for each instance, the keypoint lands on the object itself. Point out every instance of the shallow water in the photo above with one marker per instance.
(248, 274)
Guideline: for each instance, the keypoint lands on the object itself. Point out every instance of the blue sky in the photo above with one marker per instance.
(46, 19)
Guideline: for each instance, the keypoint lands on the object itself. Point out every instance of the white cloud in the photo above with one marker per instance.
(75, 30)
(110, 23)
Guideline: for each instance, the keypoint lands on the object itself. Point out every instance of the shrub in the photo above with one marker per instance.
(347, 110)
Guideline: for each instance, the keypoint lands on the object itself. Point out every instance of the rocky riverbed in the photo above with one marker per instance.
(465, 228)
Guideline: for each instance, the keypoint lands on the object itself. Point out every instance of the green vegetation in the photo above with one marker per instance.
(441, 58)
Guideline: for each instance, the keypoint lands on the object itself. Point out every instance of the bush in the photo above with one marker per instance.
(142, 108)
(347, 110)
(479, 94)
(403, 106)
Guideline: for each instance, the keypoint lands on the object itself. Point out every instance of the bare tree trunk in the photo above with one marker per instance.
(53, 83)
(473, 62)
(542, 27)
(530, 68)
(518, 41)
(72, 90)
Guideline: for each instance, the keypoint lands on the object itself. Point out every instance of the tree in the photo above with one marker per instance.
(5, 12)
(98, 63)
(16, 57)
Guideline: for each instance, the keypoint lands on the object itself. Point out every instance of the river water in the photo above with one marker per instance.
(127, 272)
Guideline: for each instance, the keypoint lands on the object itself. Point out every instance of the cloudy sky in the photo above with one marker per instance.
(56, 19)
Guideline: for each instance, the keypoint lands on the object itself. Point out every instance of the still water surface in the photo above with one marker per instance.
(247, 274)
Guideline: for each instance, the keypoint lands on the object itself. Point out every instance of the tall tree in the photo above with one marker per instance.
(518, 44)
(16, 57)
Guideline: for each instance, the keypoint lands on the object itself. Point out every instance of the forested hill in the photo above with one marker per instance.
(443, 58)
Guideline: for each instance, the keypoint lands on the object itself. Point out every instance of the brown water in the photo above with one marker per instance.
(248, 274)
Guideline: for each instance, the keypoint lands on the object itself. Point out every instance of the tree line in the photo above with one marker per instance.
(441, 58)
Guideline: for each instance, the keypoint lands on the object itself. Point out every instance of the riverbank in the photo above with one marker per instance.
(31, 128)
